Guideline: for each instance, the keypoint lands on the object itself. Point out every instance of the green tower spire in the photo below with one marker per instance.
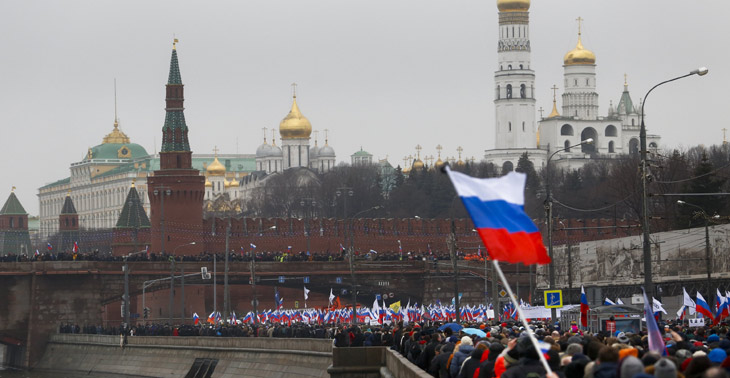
(175, 131)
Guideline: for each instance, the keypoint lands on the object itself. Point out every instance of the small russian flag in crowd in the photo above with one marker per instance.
(49, 246)
(253, 245)
(583, 307)
(76, 247)
(497, 208)
(196, 318)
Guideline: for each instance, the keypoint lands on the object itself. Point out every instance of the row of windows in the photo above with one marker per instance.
(521, 31)
(509, 67)
(509, 126)
(508, 94)
(575, 82)
(611, 130)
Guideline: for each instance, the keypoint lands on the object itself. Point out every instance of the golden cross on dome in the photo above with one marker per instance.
(418, 151)
(294, 89)
(405, 161)
(215, 150)
(555, 91)
(460, 150)
(175, 41)
(326, 136)
(264, 129)
(273, 136)
(316, 136)
(541, 110)
(439, 148)
(579, 19)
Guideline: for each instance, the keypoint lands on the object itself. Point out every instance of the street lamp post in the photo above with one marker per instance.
(172, 280)
(549, 216)
(125, 300)
(648, 285)
(308, 215)
(353, 288)
(708, 254)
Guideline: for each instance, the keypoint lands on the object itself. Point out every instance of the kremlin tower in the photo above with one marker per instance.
(176, 190)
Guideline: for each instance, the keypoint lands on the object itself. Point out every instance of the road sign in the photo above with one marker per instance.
(306, 279)
(338, 280)
(296, 304)
(282, 279)
(553, 298)
(502, 293)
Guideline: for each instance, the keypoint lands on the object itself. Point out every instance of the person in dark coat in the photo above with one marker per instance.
(486, 369)
(472, 363)
(464, 351)
(438, 367)
(607, 364)
(529, 361)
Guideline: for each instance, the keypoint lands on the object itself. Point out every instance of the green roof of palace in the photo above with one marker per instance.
(113, 150)
(133, 214)
(57, 183)
(232, 164)
(12, 206)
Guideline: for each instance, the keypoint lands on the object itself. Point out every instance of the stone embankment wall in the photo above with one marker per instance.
(174, 356)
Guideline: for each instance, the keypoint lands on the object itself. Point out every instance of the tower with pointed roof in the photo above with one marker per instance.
(132, 231)
(68, 224)
(14, 236)
(176, 190)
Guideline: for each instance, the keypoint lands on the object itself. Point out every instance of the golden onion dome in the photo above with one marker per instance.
(439, 163)
(208, 184)
(295, 125)
(234, 182)
(226, 183)
(579, 56)
(513, 5)
(418, 164)
(460, 163)
(216, 168)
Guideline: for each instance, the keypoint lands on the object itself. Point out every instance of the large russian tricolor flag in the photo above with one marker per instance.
(703, 308)
(497, 208)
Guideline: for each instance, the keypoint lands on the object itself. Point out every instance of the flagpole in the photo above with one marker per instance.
(522, 316)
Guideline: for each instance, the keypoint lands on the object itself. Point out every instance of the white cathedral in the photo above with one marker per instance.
(516, 128)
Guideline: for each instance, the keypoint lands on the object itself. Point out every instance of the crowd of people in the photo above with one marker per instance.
(505, 350)
(241, 256)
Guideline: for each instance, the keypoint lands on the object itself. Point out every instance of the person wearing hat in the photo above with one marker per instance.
(465, 348)
(664, 368)
(529, 361)
(622, 338)
(717, 355)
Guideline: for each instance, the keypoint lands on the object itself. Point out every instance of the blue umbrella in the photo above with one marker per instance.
(474, 331)
(454, 327)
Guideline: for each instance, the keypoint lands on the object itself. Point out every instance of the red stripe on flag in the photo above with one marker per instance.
(518, 247)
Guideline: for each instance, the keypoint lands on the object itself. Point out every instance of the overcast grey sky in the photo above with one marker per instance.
(382, 74)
